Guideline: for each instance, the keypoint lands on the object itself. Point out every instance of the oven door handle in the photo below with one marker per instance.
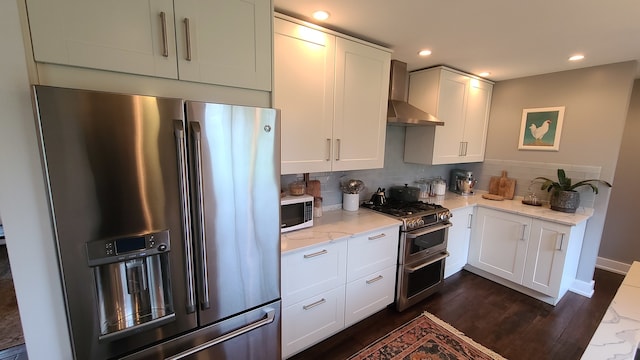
(430, 229)
(414, 269)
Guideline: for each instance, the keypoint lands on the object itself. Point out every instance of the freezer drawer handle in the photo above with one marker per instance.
(197, 158)
(268, 319)
(186, 215)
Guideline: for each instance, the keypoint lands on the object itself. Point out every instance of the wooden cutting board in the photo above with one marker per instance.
(313, 188)
(502, 186)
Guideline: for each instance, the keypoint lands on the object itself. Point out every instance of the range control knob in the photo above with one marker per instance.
(420, 222)
(446, 215)
(162, 247)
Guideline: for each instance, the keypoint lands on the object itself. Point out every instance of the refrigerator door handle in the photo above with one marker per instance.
(197, 159)
(186, 216)
(268, 319)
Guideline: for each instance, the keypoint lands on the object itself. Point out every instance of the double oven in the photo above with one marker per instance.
(422, 250)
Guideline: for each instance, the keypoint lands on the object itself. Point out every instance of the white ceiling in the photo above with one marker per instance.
(509, 38)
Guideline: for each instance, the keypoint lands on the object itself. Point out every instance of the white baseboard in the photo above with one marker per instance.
(584, 288)
(612, 266)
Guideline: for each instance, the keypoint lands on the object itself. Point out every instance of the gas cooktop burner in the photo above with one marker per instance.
(404, 209)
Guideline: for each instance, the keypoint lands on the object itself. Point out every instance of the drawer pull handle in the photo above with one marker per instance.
(377, 278)
(312, 305)
(377, 236)
(308, 256)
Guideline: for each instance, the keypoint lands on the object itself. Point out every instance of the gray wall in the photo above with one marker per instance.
(620, 235)
(596, 101)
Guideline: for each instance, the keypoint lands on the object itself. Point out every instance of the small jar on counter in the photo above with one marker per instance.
(317, 207)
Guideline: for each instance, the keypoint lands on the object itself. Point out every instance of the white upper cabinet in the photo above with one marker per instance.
(333, 94)
(228, 41)
(462, 102)
(225, 42)
(303, 90)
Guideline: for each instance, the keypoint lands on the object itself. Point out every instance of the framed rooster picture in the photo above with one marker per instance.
(541, 129)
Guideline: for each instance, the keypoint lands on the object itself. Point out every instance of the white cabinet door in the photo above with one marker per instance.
(124, 36)
(476, 120)
(311, 320)
(447, 145)
(361, 100)
(548, 243)
(313, 270)
(499, 243)
(225, 42)
(369, 294)
(458, 240)
(304, 76)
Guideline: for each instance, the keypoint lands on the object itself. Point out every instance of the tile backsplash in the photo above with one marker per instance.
(397, 172)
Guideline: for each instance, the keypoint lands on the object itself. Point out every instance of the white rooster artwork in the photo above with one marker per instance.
(539, 132)
(541, 128)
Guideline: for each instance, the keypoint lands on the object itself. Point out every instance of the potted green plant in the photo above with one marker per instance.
(564, 196)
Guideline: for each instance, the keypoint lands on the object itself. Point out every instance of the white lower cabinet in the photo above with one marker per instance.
(458, 240)
(531, 254)
(328, 287)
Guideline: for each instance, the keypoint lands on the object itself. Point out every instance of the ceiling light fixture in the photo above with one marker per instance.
(424, 52)
(321, 15)
(576, 57)
(484, 74)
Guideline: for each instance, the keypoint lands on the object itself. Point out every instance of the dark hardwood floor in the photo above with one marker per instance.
(514, 325)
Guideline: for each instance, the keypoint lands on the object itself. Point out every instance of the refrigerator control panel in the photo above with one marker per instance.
(113, 250)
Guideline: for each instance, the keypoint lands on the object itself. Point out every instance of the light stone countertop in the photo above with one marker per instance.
(335, 225)
(454, 201)
(339, 224)
(618, 334)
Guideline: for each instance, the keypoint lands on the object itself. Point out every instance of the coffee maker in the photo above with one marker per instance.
(461, 182)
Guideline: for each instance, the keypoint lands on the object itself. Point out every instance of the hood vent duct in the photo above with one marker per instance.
(400, 112)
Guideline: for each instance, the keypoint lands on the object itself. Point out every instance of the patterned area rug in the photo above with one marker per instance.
(10, 327)
(425, 337)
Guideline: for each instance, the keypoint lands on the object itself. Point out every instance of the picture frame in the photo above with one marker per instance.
(541, 129)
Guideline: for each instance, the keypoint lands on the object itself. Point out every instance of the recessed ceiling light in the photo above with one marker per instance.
(424, 52)
(321, 15)
(576, 57)
(484, 74)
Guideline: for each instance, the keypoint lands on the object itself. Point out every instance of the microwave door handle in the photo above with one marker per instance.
(197, 159)
(430, 229)
(181, 149)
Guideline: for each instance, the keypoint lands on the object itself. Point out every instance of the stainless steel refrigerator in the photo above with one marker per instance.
(166, 217)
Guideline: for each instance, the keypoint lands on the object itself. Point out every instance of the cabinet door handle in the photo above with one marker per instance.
(466, 144)
(460, 149)
(328, 149)
(187, 35)
(377, 236)
(322, 252)
(337, 149)
(163, 22)
(524, 230)
(470, 221)
(312, 305)
(561, 242)
(377, 278)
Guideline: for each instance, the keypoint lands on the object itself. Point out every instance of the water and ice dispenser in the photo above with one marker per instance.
(132, 282)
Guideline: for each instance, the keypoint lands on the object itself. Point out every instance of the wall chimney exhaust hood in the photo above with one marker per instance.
(400, 112)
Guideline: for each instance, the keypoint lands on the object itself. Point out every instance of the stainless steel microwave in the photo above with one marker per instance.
(296, 212)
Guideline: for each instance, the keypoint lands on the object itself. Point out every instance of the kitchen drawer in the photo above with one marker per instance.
(313, 270)
(372, 251)
(369, 294)
(311, 320)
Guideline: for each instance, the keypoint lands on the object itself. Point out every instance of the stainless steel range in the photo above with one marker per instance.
(423, 248)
